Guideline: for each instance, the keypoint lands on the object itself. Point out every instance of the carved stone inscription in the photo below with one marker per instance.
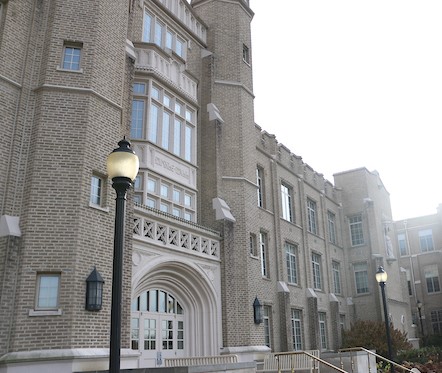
(173, 169)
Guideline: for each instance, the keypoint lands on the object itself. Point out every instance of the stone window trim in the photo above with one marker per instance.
(287, 208)
(34, 313)
(74, 45)
(102, 205)
(246, 54)
(40, 309)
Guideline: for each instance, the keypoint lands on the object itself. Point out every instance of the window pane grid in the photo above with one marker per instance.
(168, 123)
(292, 275)
(259, 183)
(311, 214)
(361, 278)
(297, 330)
(323, 330)
(48, 286)
(316, 268)
(356, 232)
(331, 227)
(286, 201)
(96, 190)
(71, 58)
(154, 31)
(426, 240)
(336, 277)
(167, 197)
(263, 249)
(267, 326)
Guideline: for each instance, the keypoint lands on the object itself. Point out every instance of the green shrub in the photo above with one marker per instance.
(421, 355)
(372, 336)
(434, 340)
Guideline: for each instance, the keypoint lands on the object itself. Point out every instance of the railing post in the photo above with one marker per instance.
(368, 362)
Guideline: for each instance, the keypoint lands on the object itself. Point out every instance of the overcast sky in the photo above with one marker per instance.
(349, 84)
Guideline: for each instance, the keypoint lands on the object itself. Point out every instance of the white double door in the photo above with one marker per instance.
(160, 336)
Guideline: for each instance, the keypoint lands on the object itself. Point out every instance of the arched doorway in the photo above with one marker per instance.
(157, 326)
(175, 311)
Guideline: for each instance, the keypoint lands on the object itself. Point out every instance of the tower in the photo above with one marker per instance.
(67, 80)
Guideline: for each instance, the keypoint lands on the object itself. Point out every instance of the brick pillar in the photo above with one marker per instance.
(9, 252)
(334, 321)
(285, 330)
(313, 319)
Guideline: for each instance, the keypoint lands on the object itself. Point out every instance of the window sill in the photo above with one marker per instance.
(58, 312)
(98, 207)
(80, 71)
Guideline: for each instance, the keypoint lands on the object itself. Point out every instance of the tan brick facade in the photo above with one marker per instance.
(57, 129)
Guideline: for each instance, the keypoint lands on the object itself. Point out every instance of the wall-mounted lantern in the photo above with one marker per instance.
(257, 311)
(94, 291)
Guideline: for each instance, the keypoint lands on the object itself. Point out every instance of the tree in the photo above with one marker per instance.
(372, 336)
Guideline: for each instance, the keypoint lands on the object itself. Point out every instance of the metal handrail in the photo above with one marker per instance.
(396, 365)
(315, 359)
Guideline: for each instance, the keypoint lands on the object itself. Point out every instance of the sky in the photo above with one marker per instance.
(350, 84)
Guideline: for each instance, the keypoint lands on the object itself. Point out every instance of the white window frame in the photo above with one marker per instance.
(246, 54)
(97, 196)
(267, 321)
(312, 216)
(260, 184)
(67, 64)
(322, 316)
(263, 242)
(291, 252)
(356, 230)
(296, 320)
(253, 246)
(286, 202)
(436, 321)
(331, 219)
(317, 271)
(52, 309)
(177, 199)
(137, 123)
(337, 285)
(156, 31)
(165, 120)
(432, 278)
(361, 278)
(402, 244)
(426, 243)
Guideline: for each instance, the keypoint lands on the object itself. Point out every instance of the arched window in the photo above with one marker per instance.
(157, 326)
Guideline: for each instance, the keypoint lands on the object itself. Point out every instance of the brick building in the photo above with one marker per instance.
(221, 213)
(419, 251)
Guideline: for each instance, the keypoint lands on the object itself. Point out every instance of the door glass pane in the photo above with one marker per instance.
(180, 335)
(135, 333)
(153, 306)
(162, 301)
(167, 334)
(150, 326)
(143, 302)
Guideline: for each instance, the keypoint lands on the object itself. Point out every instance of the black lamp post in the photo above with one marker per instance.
(419, 309)
(122, 168)
(381, 278)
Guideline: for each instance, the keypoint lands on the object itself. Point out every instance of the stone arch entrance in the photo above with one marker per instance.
(194, 325)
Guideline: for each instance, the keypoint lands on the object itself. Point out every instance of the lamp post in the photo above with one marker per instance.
(419, 309)
(122, 168)
(381, 278)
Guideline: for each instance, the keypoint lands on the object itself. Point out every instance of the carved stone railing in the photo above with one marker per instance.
(158, 228)
(149, 58)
